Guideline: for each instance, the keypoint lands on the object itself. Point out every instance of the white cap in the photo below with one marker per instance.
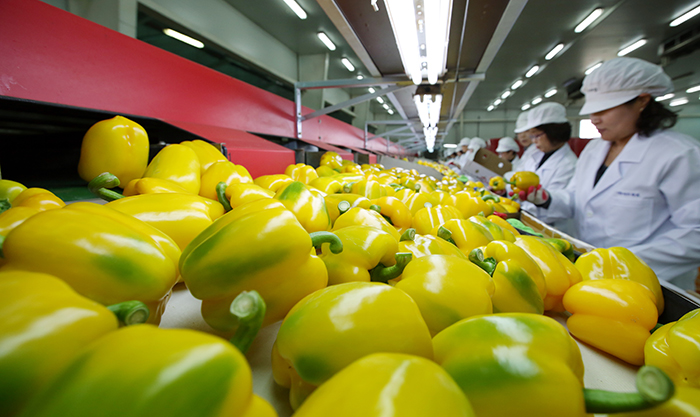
(521, 122)
(507, 144)
(619, 80)
(464, 142)
(545, 113)
(476, 144)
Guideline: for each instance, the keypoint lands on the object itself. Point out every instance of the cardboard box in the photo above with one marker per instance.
(486, 165)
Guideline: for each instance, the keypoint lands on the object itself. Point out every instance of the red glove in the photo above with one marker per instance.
(536, 195)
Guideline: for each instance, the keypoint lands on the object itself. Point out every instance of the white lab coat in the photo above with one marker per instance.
(529, 153)
(648, 201)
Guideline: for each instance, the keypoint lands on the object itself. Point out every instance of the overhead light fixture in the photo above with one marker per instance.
(491, 107)
(516, 84)
(296, 8)
(678, 102)
(386, 106)
(588, 20)
(550, 93)
(593, 68)
(497, 102)
(326, 40)
(428, 107)
(381, 100)
(348, 64)
(505, 94)
(532, 71)
(360, 76)
(634, 46)
(390, 111)
(449, 145)
(536, 101)
(525, 106)
(685, 17)
(421, 31)
(430, 134)
(665, 97)
(371, 90)
(693, 89)
(551, 54)
(183, 38)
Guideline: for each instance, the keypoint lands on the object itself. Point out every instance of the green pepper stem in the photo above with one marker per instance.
(101, 184)
(409, 234)
(376, 208)
(347, 188)
(491, 197)
(221, 195)
(487, 264)
(319, 238)
(5, 205)
(249, 308)
(130, 312)
(344, 206)
(444, 233)
(653, 388)
(417, 188)
(381, 273)
(656, 327)
(2, 241)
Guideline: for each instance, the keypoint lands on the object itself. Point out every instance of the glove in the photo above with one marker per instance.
(536, 195)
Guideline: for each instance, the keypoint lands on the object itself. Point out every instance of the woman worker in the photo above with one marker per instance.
(524, 140)
(635, 187)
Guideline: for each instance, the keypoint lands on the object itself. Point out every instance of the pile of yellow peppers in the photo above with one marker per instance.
(399, 295)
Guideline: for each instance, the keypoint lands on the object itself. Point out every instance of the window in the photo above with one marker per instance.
(586, 130)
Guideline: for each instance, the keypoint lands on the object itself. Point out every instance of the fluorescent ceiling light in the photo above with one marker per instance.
(588, 20)
(550, 93)
(381, 100)
(685, 17)
(497, 102)
(326, 40)
(551, 54)
(360, 76)
(371, 90)
(516, 84)
(532, 71)
(296, 8)
(593, 68)
(403, 23)
(390, 111)
(449, 145)
(634, 46)
(437, 26)
(386, 106)
(491, 107)
(536, 100)
(348, 64)
(678, 102)
(428, 109)
(693, 89)
(183, 38)
(525, 106)
(665, 97)
(505, 94)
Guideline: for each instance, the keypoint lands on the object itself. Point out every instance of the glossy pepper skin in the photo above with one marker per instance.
(222, 171)
(370, 189)
(465, 235)
(447, 289)
(333, 327)
(309, 207)
(273, 182)
(176, 163)
(144, 371)
(520, 285)
(207, 154)
(504, 224)
(355, 200)
(301, 172)
(424, 245)
(415, 201)
(395, 211)
(9, 190)
(496, 231)
(675, 348)
(619, 263)
(101, 253)
(367, 252)
(152, 186)
(332, 160)
(67, 322)
(180, 216)
(559, 273)
(38, 198)
(362, 217)
(117, 145)
(418, 388)
(514, 364)
(328, 185)
(239, 194)
(522, 180)
(684, 403)
(468, 204)
(613, 315)
(273, 257)
(497, 183)
(428, 218)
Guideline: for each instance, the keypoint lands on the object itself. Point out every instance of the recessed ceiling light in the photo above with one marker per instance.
(693, 89)
(593, 68)
(381, 100)
(525, 106)
(491, 107)
(532, 71)
(684, 17)
(516, 84)
(497, 102)
(348, 64)
(665, 97)
(634, 46)
(551, 54)
(678, 102)
(296, 8)
(390, 111)
(550, 93)
(371, 90)
(183, 38)
(588, 20)
(536, 100)
(505, 94)
(326, 40)
(386, 106)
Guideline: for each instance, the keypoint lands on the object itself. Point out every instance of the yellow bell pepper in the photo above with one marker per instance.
(101, 253)
(469, 205)
(619, 263)
(14, 217)
(613, 315)
(144, 371)
(497, 232)
(117, 145)
(239, 194)
(368, 254)
(46, 325)
(418, 388)
(520, 364)
(328, 185)
(370, 189)
(152, 186)
(222, 171)
(559, 273)
(675, 348)
(564, 247)
(363, 217)
(424, 245)
(38, 198)
(415, 201)
(180, 216)
(447, 289)
(520, 285)
(179, 164)
(503, 224)
(523, 180)
(274, 256)
(273, 182)
(207, 154)
(497, 183)
(9, 190)
(353, 200)
(395, 211)
(332, 160)
(301, 172)
(334, 326)
(428, 218)
(684, 403)
(325, 171)
(308, 207)
(465, 235)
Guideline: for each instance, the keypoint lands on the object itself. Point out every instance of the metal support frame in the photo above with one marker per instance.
(407, 124)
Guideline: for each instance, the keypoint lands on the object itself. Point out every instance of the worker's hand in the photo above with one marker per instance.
(536, 195)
